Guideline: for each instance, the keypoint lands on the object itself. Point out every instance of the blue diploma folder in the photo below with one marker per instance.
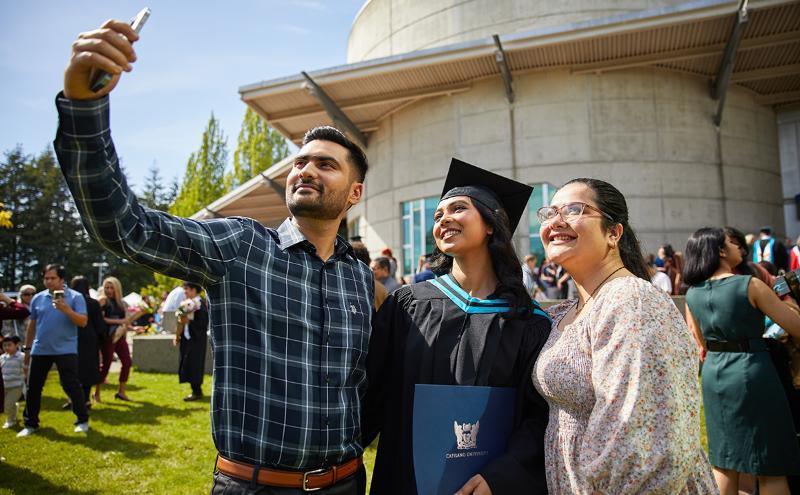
(457, 431)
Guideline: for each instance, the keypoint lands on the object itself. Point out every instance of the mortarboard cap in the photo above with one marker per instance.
(494, 191)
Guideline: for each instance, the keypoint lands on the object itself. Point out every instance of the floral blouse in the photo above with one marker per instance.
(624, 399)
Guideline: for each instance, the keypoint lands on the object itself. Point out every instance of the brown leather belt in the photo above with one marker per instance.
(309, 481)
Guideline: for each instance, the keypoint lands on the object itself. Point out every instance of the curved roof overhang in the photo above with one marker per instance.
(261, 198)
(690, 37)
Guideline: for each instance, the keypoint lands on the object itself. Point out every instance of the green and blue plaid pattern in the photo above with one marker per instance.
(289, 330)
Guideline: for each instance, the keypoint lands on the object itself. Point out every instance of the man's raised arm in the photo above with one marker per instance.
(179, 247)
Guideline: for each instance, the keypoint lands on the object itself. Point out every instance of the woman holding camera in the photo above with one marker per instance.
(749, 425)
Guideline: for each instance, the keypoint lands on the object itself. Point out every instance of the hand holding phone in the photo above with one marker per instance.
(102, 78)
(58, 298)
(108, 49)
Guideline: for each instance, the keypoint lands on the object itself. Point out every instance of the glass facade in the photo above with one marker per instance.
(354, 228)
(417, 231)
(541, 196)
(418, 225)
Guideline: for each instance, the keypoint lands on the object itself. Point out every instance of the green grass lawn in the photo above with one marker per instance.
(157, 444)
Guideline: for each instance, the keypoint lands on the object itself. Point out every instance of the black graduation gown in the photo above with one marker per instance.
(417, 338)
(90, 339)
(193, 351)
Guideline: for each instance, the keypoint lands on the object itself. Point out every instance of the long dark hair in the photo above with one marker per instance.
(613, 203)
(702, 254)
(505, 262)
(738, 238)
(80, 284)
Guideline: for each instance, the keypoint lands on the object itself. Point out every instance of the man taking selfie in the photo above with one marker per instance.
(290, 307)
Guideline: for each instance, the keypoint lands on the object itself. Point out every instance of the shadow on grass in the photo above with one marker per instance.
(101, 442)
(111, 386)
(21, 481)
(139, 412)
(124, 413)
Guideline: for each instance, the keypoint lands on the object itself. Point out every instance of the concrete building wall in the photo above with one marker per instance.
(389, 27)
(647, 131)
(789, 139)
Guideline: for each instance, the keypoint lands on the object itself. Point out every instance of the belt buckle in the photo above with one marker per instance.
(305, 479)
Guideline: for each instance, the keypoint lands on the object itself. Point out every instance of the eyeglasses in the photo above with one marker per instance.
(26, 294)
(570, 212)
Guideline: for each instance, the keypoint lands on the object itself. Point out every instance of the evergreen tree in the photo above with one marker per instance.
(171, 193)
(153, 189)
(204, 180)
(47, 228)
(259, 147)
(50, 230)
(13, 175)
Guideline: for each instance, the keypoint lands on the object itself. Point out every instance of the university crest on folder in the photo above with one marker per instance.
(448, 449)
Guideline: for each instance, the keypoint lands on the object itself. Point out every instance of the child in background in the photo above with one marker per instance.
(12, 366)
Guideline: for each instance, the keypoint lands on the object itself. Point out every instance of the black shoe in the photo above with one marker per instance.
(122, 397)
(192, 398)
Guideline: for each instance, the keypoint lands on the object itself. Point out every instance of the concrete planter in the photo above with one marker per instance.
(156, 353)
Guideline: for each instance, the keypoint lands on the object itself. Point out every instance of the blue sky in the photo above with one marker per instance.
(192, 58)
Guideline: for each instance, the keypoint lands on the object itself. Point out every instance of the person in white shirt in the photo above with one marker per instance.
(658, 278)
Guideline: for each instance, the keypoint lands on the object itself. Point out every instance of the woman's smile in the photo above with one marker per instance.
(449, 232)
(559, 238)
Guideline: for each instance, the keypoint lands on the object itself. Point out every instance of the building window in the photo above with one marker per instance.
(542, 195)
(417, 231)
(354, 228)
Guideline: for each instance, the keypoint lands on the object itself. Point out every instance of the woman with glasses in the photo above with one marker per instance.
(619, 367)
(749, 423)
(475, 325)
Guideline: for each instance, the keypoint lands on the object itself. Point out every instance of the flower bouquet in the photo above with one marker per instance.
(187, 307)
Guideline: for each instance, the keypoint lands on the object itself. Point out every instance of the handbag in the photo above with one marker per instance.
(116, 332)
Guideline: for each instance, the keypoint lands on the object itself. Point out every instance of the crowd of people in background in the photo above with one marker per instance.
(729, 303)
(81, 332)
(725, 275)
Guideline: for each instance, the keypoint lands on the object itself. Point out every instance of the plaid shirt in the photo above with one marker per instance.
(289, 330)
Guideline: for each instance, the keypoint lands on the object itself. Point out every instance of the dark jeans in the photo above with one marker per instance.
(226, 485)
(197, 389)
(67, 365)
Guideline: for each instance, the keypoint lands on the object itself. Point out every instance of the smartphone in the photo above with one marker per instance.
(102, 78)
(58, 294)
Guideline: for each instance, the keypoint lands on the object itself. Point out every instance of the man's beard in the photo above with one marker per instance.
(322, 206)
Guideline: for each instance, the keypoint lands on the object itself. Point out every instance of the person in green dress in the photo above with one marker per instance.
(748, 421)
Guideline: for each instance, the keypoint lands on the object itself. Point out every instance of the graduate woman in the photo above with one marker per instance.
(475, 325)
